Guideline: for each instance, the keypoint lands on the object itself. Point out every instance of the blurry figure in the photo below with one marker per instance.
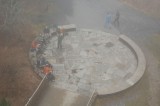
(116, 20)
(47, 70)
(46, 34)
(35, 45)
(108, 20)
(60, 37)
(41, 62)
(44, 40)
(46, 31)
(62, 31)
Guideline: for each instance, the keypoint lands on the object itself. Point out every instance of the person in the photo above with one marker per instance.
(46, 31)
(116, 20)
(47, 70)
(34, 46)
(46, 34)
(41, 62)
(108, 20)
(60, 37)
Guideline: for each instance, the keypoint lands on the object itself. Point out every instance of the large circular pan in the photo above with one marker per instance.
(93, 60)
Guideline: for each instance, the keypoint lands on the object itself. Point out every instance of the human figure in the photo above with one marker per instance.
(41, 62)
(108, 20)
(34, 46)
(60, 37)
(116, 20)
(46, 31)
(47, 70)
(46, 34)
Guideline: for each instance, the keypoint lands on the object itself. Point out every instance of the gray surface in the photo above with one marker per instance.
(133, 23)
(90, 14)
(60, 97)
(92, 60)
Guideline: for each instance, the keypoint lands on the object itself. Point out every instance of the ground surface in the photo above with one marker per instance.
(143, 29)
(16, 71)
(54, 97)
(90, 60)
(147, 6)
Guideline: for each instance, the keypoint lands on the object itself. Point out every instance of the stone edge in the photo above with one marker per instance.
(141, 67)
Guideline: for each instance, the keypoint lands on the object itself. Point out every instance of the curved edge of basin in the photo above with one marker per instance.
(141, 67)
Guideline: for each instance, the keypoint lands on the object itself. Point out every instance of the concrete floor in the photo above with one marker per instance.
(138, 26)
(91, 60)
(54, 96)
